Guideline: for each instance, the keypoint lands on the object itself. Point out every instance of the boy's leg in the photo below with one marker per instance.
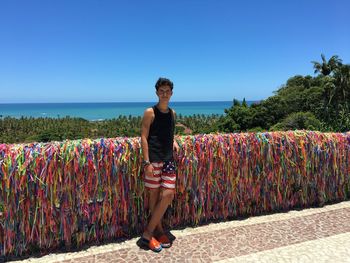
(154, 198)
(168, 179)
(159, 210)
(152, 185)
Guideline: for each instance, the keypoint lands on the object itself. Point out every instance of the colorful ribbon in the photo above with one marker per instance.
(84, 191)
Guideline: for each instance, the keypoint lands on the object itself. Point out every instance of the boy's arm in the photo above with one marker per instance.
(175, 144)
(146, 124)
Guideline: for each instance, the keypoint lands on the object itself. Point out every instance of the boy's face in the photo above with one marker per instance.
(164, 93)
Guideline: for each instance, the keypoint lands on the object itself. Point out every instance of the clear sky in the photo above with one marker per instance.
(106, 51)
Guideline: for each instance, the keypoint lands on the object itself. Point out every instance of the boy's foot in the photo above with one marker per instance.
(171, 236)
(164, 241)
(152, 244)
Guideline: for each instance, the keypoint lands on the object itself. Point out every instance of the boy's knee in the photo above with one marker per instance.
(153, 191)
(168, 195)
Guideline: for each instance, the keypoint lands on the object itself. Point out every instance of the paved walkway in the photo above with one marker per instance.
(310, 235)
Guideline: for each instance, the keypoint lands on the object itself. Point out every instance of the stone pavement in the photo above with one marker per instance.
(309, 235)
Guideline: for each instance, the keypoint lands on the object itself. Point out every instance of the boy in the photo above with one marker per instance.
(158, 144)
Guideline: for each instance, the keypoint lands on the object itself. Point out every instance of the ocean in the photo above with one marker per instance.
(102, 111)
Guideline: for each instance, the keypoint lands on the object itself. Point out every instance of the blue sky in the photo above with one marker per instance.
(106, 51)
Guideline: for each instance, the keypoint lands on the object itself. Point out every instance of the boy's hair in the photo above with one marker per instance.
(164, 82)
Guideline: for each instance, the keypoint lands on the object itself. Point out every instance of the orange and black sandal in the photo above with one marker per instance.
(152, 244)
(164, 241)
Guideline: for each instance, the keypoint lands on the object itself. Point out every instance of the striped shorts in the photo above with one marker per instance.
(164, 175)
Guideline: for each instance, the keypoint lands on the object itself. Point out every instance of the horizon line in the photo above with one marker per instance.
(75, 102)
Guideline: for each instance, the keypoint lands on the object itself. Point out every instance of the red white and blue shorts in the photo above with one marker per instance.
(164, 175)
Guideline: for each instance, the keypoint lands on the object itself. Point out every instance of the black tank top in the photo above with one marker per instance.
(161, 136)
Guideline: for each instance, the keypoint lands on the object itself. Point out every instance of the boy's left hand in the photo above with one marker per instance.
(176, 147)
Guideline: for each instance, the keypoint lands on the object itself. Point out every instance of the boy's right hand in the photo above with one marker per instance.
(149, 170)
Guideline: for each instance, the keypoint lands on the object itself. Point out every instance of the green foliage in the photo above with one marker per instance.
(327, 67)
(21, 130)
(341, 122)
(298, 121)
(199, 123)
(269, 112)
(238, 118)
(304, 102)
(50, 129)
(180, 130)
(256, 129)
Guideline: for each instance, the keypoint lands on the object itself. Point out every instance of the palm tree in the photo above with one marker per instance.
(327, 67)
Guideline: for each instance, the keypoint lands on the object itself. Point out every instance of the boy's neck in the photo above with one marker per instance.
(162, 106)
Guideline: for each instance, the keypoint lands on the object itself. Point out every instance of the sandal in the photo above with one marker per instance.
(152, 244)
(164, 241)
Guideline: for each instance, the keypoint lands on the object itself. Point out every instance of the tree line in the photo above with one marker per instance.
(303, 102)
(29, 129)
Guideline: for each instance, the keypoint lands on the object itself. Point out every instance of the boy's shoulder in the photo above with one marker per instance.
(149, 113)
(173, 112)
(149, 110)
